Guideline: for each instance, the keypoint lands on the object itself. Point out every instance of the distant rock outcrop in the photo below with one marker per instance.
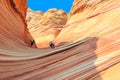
(44, 27)
(33, 18)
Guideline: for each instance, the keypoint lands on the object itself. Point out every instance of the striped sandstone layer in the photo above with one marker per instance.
(91, 52)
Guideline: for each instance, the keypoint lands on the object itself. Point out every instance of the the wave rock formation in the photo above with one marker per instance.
(90, 41)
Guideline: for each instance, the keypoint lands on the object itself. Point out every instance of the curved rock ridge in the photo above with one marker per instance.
(90, 41)
(11, 24)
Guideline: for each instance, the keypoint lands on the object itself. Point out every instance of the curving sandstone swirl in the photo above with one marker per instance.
(90, 38)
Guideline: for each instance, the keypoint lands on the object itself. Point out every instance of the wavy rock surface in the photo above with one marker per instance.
(91, 50)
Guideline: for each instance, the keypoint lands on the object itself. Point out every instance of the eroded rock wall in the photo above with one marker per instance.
(100, 19)
(95, 19)
(12, 23)
(21, 6)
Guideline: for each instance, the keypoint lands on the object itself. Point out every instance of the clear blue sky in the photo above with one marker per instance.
(44, 5)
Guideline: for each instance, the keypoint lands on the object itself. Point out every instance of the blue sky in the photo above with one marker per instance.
(44, 5)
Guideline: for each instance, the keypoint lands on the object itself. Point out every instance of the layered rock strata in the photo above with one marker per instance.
(91, 52)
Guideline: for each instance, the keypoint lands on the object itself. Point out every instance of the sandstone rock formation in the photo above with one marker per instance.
(33, 18)
(21, 6)
(44, 27)
(91, 34)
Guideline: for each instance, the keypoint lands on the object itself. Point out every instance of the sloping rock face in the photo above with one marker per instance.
(12, 23)
(21, 6)
(44, 27)
(91, 49)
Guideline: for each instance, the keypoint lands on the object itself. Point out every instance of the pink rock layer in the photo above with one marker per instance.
(91, 50)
